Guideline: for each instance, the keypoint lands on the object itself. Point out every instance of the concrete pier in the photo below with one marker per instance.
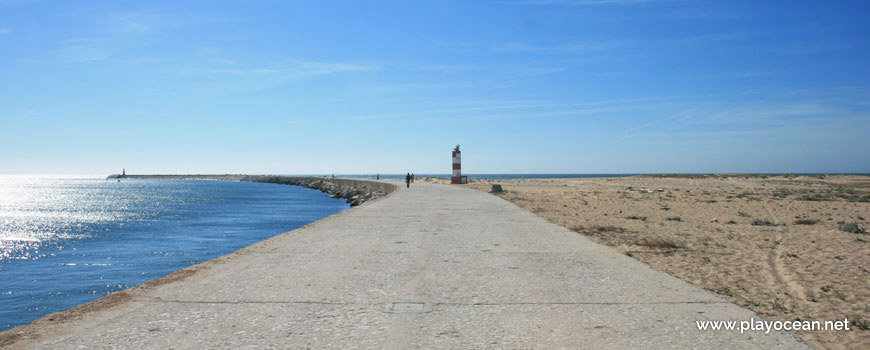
(430, 267)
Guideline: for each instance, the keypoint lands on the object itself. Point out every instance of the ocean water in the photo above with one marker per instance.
(65, 241)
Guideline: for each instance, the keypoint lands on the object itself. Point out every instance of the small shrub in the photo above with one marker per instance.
(807, 222)
(814, 198)
(762, 222)
(782, 193)
(744, 214)
(598, 229)
(661, 243)
(732, 222)
(608, 228)
(643, 218)
(852, 227)
(675, 218)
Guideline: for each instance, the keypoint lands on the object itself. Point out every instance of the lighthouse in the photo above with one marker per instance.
(457, 177)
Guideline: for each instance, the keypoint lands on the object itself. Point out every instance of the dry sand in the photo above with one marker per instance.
(792, 263)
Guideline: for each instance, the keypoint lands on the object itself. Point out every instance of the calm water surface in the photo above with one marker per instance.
(65, 241)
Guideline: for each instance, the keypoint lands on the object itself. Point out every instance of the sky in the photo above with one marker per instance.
(349, 87)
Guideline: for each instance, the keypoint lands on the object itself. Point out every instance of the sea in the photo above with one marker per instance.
(68, 240)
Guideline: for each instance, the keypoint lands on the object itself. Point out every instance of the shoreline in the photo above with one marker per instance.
(354, 191)
(31, 330)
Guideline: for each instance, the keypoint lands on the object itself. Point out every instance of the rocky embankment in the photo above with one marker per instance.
(355, 192)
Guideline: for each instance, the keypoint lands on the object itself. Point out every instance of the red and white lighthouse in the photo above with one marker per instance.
(457, 177)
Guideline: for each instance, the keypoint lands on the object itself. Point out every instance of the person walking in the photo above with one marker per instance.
(408, 180)
(412, 177)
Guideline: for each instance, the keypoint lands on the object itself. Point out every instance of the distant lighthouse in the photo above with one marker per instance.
(457, 177)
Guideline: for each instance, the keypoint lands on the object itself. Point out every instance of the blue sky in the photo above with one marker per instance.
(551, 86)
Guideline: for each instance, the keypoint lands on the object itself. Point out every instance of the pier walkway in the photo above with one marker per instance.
(432, 267)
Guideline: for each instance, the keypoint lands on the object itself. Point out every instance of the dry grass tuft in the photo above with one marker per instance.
(852, 227)
(762, 222)
(599, 229)
(660, 243)
(807, 222)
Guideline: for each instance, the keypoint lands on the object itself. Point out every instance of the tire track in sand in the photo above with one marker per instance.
(780, 273)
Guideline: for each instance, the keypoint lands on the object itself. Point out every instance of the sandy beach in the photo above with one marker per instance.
(778, 245)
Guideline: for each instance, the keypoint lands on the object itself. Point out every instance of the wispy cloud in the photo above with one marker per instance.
(581, 2)
(775, 113)
(299, 69)
(134, 23)
(809, 48)
(321, 67)
(15, 2)
(475, 108)
(615, 74)
(738, 75)
(566, 48)
(718, 37)
(571, 112)
(526, 70)
(118, 32)
(246, 75)
(707, 14)
(244, 71)
(4, 31)
(768, 112)
(443, 68)
(636, 11)
(300, 121)
(534, 109)
(456, 44)
(91, 49)
(785, 136)
(677, 116)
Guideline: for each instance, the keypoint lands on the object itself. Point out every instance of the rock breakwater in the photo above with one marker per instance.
(354, 191)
